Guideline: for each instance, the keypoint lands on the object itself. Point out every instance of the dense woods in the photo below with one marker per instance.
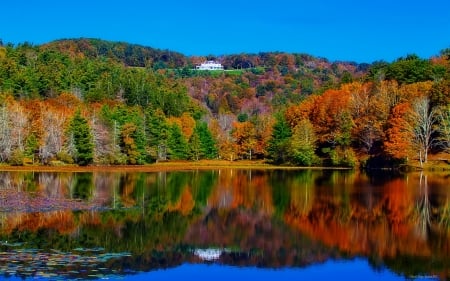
(88, 101)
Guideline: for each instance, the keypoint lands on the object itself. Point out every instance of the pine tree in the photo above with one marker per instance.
(202, 144)
(279, 143)
(82, 137)
(157, 134)
(208, 147)
(177, 144)
(194, 147)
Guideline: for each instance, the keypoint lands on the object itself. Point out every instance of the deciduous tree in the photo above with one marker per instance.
(128, 143)
(399, 134)
(444, 128)
(244, 135)
(424, 124)
(302, 144)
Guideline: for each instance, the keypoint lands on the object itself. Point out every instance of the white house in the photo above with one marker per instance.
(209, 65)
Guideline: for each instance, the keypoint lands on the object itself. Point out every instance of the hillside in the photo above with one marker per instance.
(128, 54)
(141, 104)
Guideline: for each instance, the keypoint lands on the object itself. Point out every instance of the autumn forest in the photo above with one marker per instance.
(88, 101)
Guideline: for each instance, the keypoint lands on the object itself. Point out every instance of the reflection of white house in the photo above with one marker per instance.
(209, 65)
(208, 254)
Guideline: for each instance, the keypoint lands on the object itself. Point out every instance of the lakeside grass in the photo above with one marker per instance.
(155, 167)
(162, 166)
(433, 165)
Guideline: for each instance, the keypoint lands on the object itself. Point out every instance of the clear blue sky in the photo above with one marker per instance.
(362, 31)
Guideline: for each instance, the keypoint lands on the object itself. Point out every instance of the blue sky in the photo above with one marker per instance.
(361, 31)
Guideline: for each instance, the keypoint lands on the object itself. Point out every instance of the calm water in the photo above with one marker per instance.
(222, 224)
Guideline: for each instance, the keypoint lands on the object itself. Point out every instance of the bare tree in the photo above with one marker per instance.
(53, 138)
(5, 134)
(424, 128)
(444, 128)
(104, 140)
(19, 131)
(13, 130)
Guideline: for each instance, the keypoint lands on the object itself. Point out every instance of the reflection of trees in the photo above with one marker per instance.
(238, 188)
(271, 218)
(18, 181)
(202, 184)
(444, 221)
(383, 230)
(423, 208)
(254, 238)
(293, 194)
(82, 186)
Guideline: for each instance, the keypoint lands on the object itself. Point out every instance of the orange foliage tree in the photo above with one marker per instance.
(399, 133)
(244, 134)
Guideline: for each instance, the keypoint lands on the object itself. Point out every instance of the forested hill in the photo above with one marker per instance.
(92, 101)
(141, 56)
(126, 53)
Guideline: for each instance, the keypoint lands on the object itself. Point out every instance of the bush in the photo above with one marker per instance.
(56, 163)
(65, 157)
(305, 157)
(344, 157)
(17, 157)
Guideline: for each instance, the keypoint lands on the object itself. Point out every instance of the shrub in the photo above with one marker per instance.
(17, 157)
(343, 157)
(65, 157)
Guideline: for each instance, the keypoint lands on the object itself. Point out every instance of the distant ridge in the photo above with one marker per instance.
(136, 55)
(129, 54)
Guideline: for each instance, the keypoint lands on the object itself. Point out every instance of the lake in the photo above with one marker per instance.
(223, 224)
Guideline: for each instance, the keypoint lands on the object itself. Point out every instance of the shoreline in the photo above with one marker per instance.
(183, 165)
(163, 166)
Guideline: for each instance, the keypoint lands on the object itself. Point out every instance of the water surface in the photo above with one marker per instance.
(231, 223)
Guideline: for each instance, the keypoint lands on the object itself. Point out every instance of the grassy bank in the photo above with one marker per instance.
(434, 164)
(161, 166)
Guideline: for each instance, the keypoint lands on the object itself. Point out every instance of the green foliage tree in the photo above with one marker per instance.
(409, 70)
(302, 144)
(177, 144)
(194, 147)
(343, 136)
(343, 156)
(202, 143)
(82, 138)
(157, 132)
(31, 146)
(277, 150)
(127, 124)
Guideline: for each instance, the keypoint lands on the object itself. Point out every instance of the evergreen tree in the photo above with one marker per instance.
(31, 146)
(279, 143)
(177, 144)
(82, 137)
(208, 146)
(157, 134)
(202, 144)
(194, 146)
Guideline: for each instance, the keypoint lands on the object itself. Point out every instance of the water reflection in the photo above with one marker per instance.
(272, 219)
